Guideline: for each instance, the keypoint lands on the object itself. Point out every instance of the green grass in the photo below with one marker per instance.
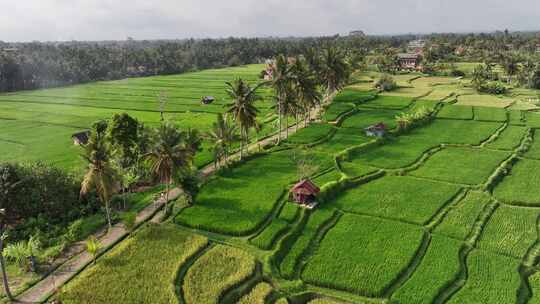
(492, 279)
(266, 239)
(533, 119)
(490, 114)
(324, 301)
(215, 272)
(456, 112)
(406, 149)
(334, 110)
(298, 249)
(353, 170)
(289, 212)
(438, 267)
(312, 133)
(515, 118)
(37, 125)
(142, 269)
(388, 102)
(363, 254)
(520, 187)
(461, 217)
(257, 295)
(461, 165)
(367, 117)
(332, 176)
(343, 139)
(354, 96)
(509, 139)
(510, 231)
(534, 150)
(402, 198)
(238, 202)
(534, 281)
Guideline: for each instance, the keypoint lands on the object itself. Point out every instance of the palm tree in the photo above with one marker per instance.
(101, 175)
(306, 87)
(242, 108)
(510, 64)
(335, 71)
(173, 152)
(222, 135)
(281, 81)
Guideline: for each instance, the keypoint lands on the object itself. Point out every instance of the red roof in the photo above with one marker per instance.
(379, 126)
(305, 186)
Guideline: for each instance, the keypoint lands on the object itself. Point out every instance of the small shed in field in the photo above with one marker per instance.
(377, 130)
(80, 138)
(206, 100)
(304, 192)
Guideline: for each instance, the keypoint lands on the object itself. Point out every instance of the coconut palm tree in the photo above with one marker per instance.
(280, 83)
(172, 153)
(242, 108)
(101, 175)
(306, 87)
(335, 71)
(222, 135)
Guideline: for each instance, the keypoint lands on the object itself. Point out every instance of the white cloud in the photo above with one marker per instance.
(25, 20)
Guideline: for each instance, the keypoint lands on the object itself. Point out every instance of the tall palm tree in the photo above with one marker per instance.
(335, 71)
(101, 174)
(281, 81)
(222, 135)
(242, 108)
(172, 153)
(306, 87)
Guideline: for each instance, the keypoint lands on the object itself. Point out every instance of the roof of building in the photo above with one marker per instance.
(209, 98)
(305, 186)
(81, 137)
(376, 127)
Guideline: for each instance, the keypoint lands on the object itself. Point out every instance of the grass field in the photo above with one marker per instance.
(166, 248)
(521, 186)
(509, 139)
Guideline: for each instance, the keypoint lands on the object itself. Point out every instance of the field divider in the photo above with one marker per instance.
(453, 286)
(182, 271)
(494, 136)
(234, 293)
(408, 271)
(528, 268)
(438, 217)
(287, 241)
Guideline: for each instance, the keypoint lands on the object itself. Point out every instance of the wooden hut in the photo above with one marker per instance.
(304, 192)
(409, 61)
(377, 130)
(206, 100)
(80, 138)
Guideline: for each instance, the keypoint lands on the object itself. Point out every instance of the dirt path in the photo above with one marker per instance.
(57, 278)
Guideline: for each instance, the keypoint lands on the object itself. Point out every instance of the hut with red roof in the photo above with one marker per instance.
(304, 192)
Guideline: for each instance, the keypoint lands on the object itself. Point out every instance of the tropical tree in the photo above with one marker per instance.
(510, 63)
(242, 108)
(123, 135)
(222, 135)
(306, 87)
(335, 71)
(281, 84)
(172, 153)
(101, 175)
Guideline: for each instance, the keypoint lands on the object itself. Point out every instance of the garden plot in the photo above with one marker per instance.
(388, 102)
(116, 278)
(238, 202)
(461, 217)
(456, 112)
(367, 117)
(509, 139)
(520, 187)
(491, 278)
(215, 272)
(438, 267)
(461, 165)
(402, 198)
(363, 254)
(490, 114)
(407, 149)
(510, 231)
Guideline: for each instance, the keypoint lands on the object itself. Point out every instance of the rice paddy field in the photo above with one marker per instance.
(448, 212)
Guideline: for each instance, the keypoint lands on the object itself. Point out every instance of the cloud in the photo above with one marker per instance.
(25, 20)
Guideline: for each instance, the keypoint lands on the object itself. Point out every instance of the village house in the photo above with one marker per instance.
(376, 130)
(409, 61)
(304, 193)
(80, 138)
(416, 46)
(206, 100)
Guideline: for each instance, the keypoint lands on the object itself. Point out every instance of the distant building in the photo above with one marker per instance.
(416, 46)
(357, 33)
(460, 51)
(409, 61)
(80, 138)
(377, 130)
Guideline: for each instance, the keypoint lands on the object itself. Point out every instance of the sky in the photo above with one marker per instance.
(59, 20)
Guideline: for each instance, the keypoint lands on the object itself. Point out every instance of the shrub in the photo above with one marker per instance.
(492, 87)
(386, 83)
(457, 73)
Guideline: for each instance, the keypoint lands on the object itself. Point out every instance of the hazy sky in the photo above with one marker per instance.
(24, 20)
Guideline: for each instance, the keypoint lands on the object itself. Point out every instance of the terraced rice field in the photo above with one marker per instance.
(446, 213)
